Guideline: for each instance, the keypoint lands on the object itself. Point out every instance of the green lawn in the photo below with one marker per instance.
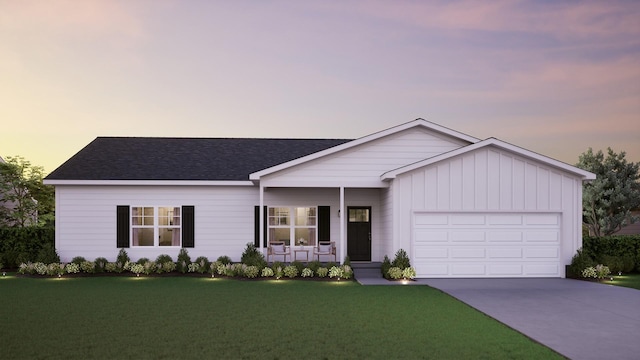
(188, 317)
(626, 280)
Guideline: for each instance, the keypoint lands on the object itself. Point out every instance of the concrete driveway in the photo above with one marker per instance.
(578, 319)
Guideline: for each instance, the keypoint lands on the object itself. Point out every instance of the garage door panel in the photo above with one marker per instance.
(506, 270)
(431, 253)
(549, 269)
(468, 219)
(467, 253)
(541, 253)
(486, 245)
(476, 236)
(431, 236)
(499, 236)
(543, 236)
(505, 253)
(468, 269)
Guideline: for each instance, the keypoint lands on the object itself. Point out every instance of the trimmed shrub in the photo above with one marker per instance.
(314, 265)
(299, 266)
(164, 263)
(253, 257)
(251, 271)
(267, 272)
(224, 260)
(101, 264)
(307, 272)
(322, 272)
(580, 261)
(203, 264)
(401, 260)
(290, 271)
(122, 260)
(182, 265)
(386, 265)
(395, 273)
(78, 260)
(141, 261)
(87, 267)
(22, 245)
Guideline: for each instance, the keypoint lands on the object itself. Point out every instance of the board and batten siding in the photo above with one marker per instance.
(363, 164)
(86, 219)
(490, 180)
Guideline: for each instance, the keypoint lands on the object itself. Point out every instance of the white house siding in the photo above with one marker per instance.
(490, 180)
(365, 163)
(86, 218)
(386, 245)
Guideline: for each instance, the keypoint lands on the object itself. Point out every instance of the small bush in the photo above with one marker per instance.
(290, 271)
(193, 267)
(253, 257)
(267, 272)
(322, 272)
(299, 266)
(314, 265)
(122, 260)
(164, 264)
(336, 272)
(580, 261)
(78, 260)
(347, 261)
(183, 261)
(55, 269)
(149, 267)
(251, 271)
(409, 273)
(614, 263)
(277, 272)
(395, 273)
(203, 264)
(142, 261)
(386, 265)
(401, 260)
(87, 267)
(41, 268)
(347, 272)
(100, 263)
(224, 259)
(307, 272)
(136, 268)
(110, 267)
(72, 268)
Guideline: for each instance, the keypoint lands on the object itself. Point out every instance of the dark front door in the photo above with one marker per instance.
(359, 233)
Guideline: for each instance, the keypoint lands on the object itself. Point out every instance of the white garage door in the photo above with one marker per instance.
(486, 244)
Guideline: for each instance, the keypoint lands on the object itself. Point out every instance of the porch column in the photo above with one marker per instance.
(262, 239)
(342, 217)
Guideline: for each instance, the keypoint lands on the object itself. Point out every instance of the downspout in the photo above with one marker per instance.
(341, 219)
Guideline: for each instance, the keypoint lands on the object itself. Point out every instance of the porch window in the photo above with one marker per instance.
(155, 225)
(293, 224)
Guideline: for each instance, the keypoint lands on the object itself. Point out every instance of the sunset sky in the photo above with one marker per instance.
(555, 77)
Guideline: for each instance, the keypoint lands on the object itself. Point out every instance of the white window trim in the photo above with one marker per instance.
(292, 222)
(156, 226)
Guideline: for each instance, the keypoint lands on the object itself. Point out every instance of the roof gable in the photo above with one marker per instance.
(146, 158)
(585, 175)
(421, 123)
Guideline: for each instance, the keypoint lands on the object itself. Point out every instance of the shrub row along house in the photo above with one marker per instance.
(460, 206)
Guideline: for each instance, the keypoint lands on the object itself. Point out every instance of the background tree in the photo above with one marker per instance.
(24, 199)
(608, 200)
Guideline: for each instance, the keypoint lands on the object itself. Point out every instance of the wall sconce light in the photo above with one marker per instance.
(338, 212)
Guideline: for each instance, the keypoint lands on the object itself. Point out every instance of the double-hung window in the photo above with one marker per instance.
(293, 225)
(155, 226)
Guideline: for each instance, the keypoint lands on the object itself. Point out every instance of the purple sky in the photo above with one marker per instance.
(554, 77)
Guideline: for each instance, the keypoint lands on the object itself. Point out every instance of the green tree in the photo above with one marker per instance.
(608, 200)
(24, 199)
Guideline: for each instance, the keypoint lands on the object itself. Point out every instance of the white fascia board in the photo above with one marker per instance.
(376, 184)
(362, 140)
(585, 175)
(147, 183)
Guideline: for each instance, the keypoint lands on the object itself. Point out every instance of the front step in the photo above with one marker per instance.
(366, 265)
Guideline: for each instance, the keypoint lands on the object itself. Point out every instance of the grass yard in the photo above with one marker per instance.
(188, 317)
(626, 280)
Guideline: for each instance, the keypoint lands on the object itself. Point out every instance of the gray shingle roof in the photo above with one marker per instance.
(144, 158)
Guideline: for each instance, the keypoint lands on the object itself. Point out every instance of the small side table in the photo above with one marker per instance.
(297, 250)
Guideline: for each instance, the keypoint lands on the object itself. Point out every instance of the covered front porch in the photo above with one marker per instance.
(357, 220)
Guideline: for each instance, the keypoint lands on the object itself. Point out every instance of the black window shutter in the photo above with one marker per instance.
(256, 225)
(188, 226)
(122, 226)
(324, 223)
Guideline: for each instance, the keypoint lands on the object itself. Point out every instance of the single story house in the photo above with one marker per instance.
(459, 206)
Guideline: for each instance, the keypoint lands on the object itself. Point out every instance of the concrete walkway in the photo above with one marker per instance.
(578, 319)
